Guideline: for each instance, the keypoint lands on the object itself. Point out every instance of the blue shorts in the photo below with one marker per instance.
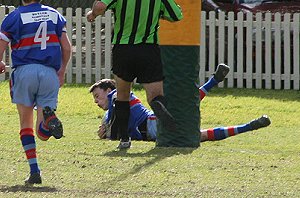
(35, 84)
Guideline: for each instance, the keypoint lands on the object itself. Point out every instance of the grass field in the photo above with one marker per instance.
(262, 163)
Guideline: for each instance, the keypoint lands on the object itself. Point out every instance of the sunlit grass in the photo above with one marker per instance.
(262, 163)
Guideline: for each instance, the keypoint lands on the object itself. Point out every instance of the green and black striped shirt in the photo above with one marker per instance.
(137, 21)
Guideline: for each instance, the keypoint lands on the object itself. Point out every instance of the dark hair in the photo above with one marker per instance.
(28, 1)
(103, 84)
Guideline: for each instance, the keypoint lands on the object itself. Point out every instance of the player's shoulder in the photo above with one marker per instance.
(48, 8)
(12, 17)
(15, 12)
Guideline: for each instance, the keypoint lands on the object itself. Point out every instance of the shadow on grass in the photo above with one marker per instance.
(23, 188)
(157, 154)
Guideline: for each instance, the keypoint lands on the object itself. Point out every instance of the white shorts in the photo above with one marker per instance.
(35, 84)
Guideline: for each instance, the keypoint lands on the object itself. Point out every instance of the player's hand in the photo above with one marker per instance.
(61, 77)
(102, 131)
(90, 17)
(2, 67)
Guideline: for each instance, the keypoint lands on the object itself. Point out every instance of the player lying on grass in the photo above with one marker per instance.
(142, 122)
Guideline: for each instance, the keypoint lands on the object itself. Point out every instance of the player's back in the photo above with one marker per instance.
(137, 21)
(34, 32)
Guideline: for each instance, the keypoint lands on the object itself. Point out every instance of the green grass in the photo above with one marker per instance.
(262, 163)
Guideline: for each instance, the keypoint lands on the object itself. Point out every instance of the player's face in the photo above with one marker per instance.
(100, 97)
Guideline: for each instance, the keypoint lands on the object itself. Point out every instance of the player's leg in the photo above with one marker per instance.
(157, 101)
(149, 72)
(47, 122)
(28, 143)
(42, 129)
(219, 75)
(123, 68)
(23, 88)
(122, 112)
(220, 133)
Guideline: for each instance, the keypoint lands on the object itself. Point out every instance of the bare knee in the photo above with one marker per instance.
(153, 89)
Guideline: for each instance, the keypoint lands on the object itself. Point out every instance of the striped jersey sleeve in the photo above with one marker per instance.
(171, 11)
(109, 3)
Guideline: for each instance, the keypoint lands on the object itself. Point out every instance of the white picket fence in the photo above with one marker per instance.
(262, 53)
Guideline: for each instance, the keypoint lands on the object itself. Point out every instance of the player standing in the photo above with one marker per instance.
(40, 53)
(136, 54)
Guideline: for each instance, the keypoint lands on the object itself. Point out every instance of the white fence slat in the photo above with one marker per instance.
(88, 50)
(258, 51)
(249, 49)
(221, 40)
(268, 50)
(108, 46)
(230, 49)
(69, 26)
(277, 49)
(212, 42)
(287, 50)
(240, 50)
(221, 36)
(296, 50)
(78, 21)
(98, 49)
(202, 48)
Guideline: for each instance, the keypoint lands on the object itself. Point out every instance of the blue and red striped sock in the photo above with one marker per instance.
(204, 89)
(43, 132)
(220, 133)
(28, 142)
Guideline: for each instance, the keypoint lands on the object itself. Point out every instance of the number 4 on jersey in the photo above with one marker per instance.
(41, 35)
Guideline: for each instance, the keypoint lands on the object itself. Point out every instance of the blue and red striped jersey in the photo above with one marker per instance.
(138, 114)
(34, 32)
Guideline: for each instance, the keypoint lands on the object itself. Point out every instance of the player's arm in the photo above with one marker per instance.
(7, 29)
(102, 131)
(98, 8)
(3, 46)
(66, 54)
(171, 11)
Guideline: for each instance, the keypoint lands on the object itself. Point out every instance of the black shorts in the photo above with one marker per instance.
(142, 61)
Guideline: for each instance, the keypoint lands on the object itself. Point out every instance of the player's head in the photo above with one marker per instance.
(31, 1)
(100, 90)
